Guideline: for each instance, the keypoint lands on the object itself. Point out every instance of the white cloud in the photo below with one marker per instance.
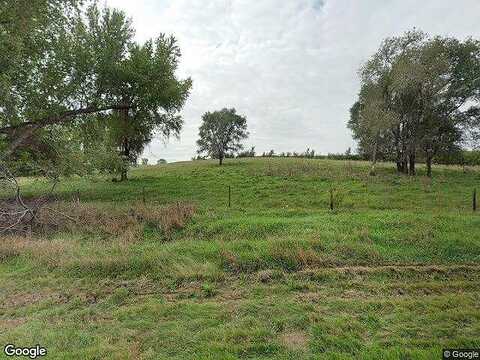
(289, 66)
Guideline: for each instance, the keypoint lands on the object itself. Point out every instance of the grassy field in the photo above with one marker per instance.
(393, 272)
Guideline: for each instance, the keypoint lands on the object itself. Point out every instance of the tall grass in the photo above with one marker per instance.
(392, 272)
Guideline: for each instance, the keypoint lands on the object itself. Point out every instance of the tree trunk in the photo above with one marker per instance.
(399, 166)
(429, 166)
(411, 169)
(125, 160)
(405, 166)
(220, 159)
(123, 175)
(126, 148)
(398, 150)
(404, 157)
(374, 160)
(429, 158)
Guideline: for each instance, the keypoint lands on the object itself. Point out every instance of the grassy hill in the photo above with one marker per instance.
(392, 272)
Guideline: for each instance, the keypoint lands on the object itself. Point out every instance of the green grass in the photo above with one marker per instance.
(391, 273)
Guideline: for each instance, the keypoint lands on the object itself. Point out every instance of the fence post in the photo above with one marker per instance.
(474, 200)
(229, 196)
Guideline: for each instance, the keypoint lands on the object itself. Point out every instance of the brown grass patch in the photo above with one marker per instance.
(48, 252)
(308, 257)
(294, 340)
(12, 246)
(127, 225)
(229, 260)
(11, 323)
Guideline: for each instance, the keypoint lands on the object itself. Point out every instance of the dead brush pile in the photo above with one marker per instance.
(127, 224)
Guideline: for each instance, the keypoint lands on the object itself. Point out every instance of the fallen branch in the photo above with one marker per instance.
(18, 216)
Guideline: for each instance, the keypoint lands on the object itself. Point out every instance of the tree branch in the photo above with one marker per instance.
(60, 118)
(28, 128)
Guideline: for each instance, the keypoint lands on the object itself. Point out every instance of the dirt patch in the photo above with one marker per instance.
(11, 323)
(24, 299)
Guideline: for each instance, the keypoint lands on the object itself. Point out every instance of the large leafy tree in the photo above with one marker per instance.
(379, 72)
(221, 133)
(36, 80)
(141, 79)
(68, 68)
(374, 121)
(431, 86)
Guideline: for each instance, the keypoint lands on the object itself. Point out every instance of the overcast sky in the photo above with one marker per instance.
(289, 66)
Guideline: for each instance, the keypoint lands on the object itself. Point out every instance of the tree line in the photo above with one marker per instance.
(419, 96)
(79, 94)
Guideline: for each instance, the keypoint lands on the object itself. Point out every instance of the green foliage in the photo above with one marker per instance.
(465, 157)
(418, 95)
(310, 154)
(36, 75)
(73, 63)
(247, 153)
(141, 77)
(471, 158)
(221, 133)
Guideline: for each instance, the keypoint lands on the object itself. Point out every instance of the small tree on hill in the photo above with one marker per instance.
(221, 132)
